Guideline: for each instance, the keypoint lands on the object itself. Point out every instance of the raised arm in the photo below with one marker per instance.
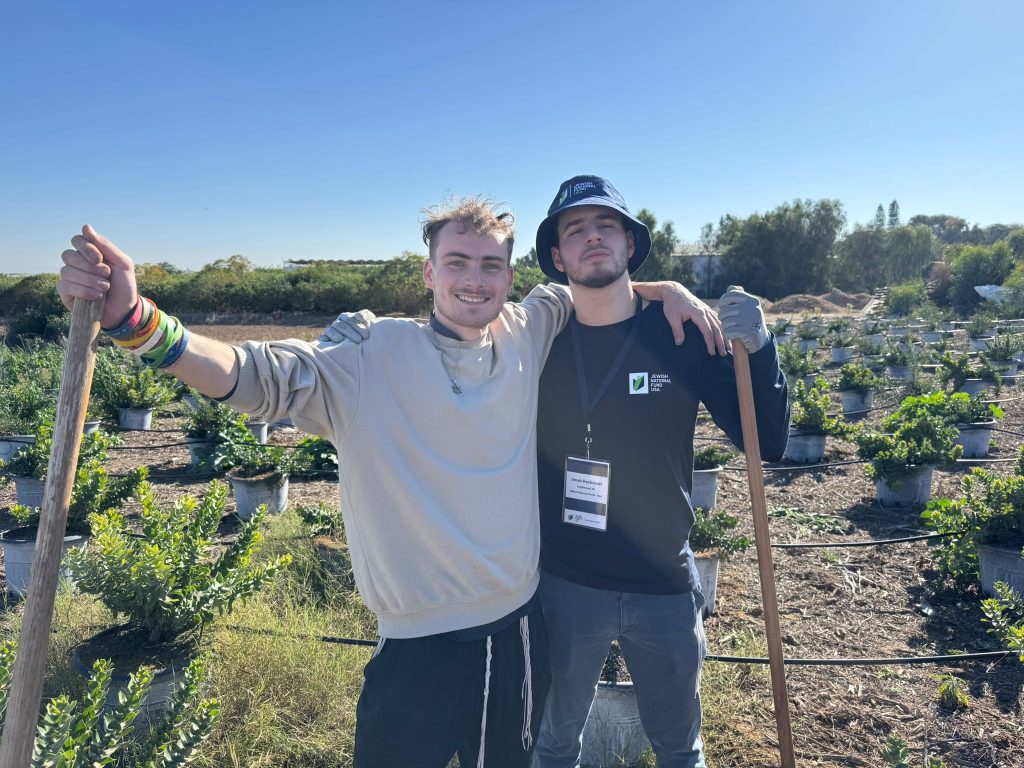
(94, 267)
(681, 305)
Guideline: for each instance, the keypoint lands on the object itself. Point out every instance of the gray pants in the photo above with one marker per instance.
(662, 640)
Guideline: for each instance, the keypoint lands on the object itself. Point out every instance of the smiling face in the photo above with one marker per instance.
(470, 276)
(593, 246)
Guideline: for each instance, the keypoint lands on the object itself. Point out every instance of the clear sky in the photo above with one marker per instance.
(189, 131)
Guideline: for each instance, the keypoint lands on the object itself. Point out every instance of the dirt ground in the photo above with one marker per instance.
(857, 603)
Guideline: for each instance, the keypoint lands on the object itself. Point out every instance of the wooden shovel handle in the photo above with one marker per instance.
(30, 664)
(762, 539)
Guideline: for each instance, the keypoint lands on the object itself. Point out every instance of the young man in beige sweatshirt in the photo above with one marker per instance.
(434, 427)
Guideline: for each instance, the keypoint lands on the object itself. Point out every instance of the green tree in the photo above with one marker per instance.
(664, 261)
(880, 217)
(1016, 243)
(397, 286)
(908, 250)
(894, 214)
(784, 251)
(860, 260)
(947, 229)
(528, 260)
(972, 265)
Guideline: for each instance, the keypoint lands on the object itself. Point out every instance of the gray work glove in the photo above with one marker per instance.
(742, 318)
(349, 326)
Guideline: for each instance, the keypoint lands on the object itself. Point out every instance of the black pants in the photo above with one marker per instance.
(422, 700)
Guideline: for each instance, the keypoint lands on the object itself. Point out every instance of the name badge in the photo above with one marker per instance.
(586, 493)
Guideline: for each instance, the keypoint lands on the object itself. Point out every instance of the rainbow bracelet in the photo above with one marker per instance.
(157, 338)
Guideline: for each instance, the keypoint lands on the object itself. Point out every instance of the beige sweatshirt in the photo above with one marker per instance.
(438, 490)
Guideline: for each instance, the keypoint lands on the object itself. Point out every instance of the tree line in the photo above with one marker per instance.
(801, 246)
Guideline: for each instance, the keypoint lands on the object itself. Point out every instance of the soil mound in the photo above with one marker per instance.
(842, 298)
(804, 302)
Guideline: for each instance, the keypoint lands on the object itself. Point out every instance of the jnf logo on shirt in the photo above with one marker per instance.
(638, 383)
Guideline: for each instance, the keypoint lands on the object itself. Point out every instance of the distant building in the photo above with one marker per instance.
(292, 264)
(707, 267)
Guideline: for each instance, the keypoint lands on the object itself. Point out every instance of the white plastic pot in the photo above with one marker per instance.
(980, 343)
(807, 345)
(19, 547)
(259, 430)
(198, 449)
(10, 445)
(805, 447)
(705, 488)
(613, 736)
(136, 418)
(856, 404)
(1000, 564)
(29, 491)
(251, 492)
(841, 354)
(906, 491)
(899, 372)
(90, 426)
(975, 438)
(975, 387)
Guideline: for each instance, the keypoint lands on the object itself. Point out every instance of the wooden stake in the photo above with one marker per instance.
(759, 506)
(30, 664)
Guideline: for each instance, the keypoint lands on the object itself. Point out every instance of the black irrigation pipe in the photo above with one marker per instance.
(895, 661)
(801, 467)
(1000, 429)
(872, 543)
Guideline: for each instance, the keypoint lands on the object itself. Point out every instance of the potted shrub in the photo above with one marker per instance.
(707, 465)
(915, 439)
(1002, 353)
(23, 407)
(974, 419)
(798, 365)
(783, 331)
(965, 376)
(128, 391)
(899, 360)
(208, 424)
(810, 423)
(259, 473)
(168, 582)
(97, 730)
(986, 531)
(842, 345)
(872, 333)
(807, 333)
(712, 540)
(28, 467)
(92, 490)
(980, 331)
(321, 458)
(856, 386)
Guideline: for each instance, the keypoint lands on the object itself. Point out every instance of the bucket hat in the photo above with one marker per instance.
(588, 190)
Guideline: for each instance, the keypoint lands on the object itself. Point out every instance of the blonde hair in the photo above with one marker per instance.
(473, 213)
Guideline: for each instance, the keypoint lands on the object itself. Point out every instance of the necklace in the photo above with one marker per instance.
(453, 378)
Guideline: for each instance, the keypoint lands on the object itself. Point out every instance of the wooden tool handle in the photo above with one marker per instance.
(762, 538)
(27, 684)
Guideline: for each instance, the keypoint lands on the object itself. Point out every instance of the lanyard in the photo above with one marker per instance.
(581, 373)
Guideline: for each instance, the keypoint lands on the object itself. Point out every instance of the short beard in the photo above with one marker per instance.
(596, 280)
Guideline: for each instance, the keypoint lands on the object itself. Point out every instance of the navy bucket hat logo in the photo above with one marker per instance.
(588, 190)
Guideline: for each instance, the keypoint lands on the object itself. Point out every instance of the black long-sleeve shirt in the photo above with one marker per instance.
(643, 425)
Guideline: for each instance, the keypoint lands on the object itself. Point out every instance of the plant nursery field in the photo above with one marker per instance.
(288, 697)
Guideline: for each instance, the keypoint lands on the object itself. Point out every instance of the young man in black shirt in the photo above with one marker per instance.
(618, 406)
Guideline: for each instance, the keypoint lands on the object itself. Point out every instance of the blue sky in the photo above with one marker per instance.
(191, 131)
